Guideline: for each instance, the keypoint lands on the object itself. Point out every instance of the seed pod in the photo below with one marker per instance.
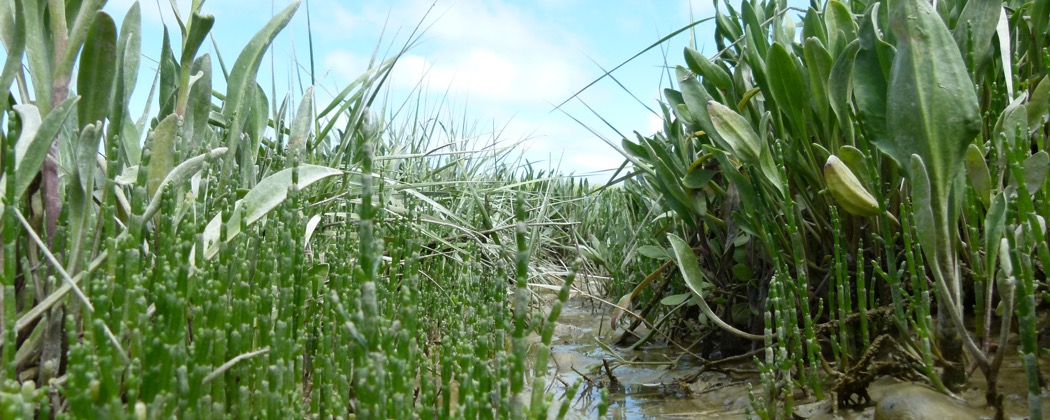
(847, 189)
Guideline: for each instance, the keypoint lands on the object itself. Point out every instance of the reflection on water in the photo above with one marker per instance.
(647, 382)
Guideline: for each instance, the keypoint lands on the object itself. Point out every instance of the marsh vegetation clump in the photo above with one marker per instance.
(842, 192)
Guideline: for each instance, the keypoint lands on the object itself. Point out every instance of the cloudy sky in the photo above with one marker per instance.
(503, 63)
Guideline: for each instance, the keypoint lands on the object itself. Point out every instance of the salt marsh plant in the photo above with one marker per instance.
(857, 159)
(259, 254)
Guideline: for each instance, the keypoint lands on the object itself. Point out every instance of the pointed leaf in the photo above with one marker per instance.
(840, 88)
(932, 108)
(994, 226)
(695, 99)
(180, 174)
(653, 252)
(923, 210)
(818, 62)
(97, 71)
(623, 304)
(710, 71)
(30, 152)
(698, 283)
(675, 300)
(1013, 121)
(1039, 105)
(736, 132)
(787, 85)
(12, 22)
(698, 178)
(978, 174)
(200, 25)
(813, 26)
(841, 28)
(1035, 170)
(241, 86)
(198, 109)
(269, 193)
(162, 152)
(977, 21)
(303, 122)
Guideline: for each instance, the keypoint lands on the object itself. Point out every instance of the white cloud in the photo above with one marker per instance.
(344, 65)
(486, 50)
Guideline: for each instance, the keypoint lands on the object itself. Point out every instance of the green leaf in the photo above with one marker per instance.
(743, 142)
(994, 226)
(1013, 121)
(319, 271)
(178, 176)
(1039, 105)
(695, 279)
(97, 71)
(788, 86)
(695, 99)
(926, 226)
(198, 109)
(675, 300)
(269, 193)
(857, 163)
(87, 150)
(813, 26)
(258, 118)
(303, 122)
(698, 178)
(129, 48)
(35, 141)
(754, 29)
(653, 252)
(978, 174)
(200, 25)
(710, 71)
(743, 272)
(1035, 170)
(79, 198)
(784, 31)
(870, 84)
(932, 108)
(741, 312)
(162, 152)
(129, 44)
(41, 53)
(169, 77)
(840, 26)
(635, 150)
(977, 20)
(12, 21)
(840, 88)
(736, 132)
(697, 283)
(818, 63)
(241, 86)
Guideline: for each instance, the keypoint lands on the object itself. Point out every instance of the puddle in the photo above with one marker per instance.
(649, 381)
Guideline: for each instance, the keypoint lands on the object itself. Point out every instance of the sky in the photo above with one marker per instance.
(503, 64)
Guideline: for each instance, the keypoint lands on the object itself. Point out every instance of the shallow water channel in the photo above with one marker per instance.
(649, 381)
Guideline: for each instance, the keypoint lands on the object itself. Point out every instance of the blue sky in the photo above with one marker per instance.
(503, 62)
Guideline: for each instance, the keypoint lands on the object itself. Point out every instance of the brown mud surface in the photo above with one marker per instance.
(649, 382)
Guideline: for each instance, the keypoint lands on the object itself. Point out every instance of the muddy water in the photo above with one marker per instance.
(649, 381)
